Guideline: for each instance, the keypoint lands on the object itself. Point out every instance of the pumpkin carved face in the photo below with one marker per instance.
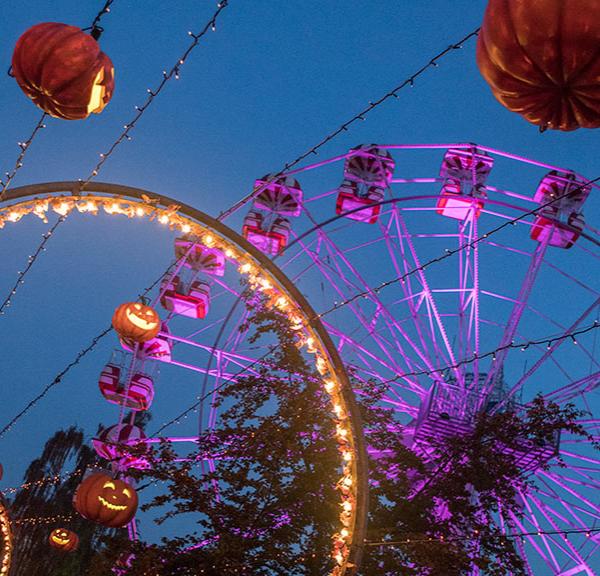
(105, 500)
(62, 69)
(541, 60)
(136, 321)
(63, 540)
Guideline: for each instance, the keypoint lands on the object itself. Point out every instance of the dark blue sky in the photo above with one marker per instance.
(267, 85)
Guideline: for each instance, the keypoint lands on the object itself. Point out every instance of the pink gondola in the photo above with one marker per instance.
(192, 301)
(280, 194)
(560, 220)
(268, 239)
(199, 257)
(463, 192)
(349, 199)
(112, 385)
(369, 165)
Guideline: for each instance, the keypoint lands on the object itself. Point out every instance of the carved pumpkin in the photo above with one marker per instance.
(136, 321)
(541, 60)
(106, 500)
(63, 70)
(63, 540)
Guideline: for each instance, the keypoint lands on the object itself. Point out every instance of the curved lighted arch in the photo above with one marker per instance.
(6, 545)
(263, 275)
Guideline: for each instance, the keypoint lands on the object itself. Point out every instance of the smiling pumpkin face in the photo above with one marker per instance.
(106, 500)
(63, 540)
(136, 321)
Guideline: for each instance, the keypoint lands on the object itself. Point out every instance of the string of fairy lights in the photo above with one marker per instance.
(24, 146)
(80, 355)
(360, 116)
(152, 94)
(419, 539)
(548, 341)
(30, 261)
(194, 407)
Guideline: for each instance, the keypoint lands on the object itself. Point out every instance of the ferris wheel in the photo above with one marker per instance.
(196, 333)
(404, 252)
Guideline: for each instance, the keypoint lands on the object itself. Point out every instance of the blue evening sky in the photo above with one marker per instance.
(271, 82)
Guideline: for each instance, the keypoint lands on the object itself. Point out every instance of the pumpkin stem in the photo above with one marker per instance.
(96, 32)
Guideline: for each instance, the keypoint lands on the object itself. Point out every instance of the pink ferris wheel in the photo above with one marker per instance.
(402, 251)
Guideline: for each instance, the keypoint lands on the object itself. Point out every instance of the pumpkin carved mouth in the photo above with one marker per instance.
(140, 322)
(59, 540)
(111, 506)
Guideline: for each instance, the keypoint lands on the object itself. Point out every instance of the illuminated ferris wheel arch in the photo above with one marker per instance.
(262, 275)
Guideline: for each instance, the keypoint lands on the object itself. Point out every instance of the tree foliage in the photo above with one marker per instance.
(269, 504)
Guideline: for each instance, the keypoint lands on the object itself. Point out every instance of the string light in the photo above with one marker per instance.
(24, 146)
(523, 345)
(152, 94)
(443, 539)
(30, 262)
(37, 520)
(447, 252)
(433, 62)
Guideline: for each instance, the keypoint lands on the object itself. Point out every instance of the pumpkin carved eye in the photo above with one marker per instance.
(109, 485)
(127, 492)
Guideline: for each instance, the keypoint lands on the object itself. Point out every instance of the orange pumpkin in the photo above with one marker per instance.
(136, 321)
(106, 500)
(63, 540)
(63, 70)
(541, 59)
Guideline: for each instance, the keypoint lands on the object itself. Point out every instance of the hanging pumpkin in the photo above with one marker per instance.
(63, 70)
(541, 60)
(136, 321)
(106, 500)
(63, 540)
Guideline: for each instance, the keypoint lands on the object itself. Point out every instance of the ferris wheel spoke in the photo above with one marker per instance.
(468, 294)
(412, 258)
(532, 541)
(562, 484)
(358, 348)
(534, 521)
(570, 391)
(393, 327)
(396, 246)
(516, 314)
(551, 350)
(560, 540)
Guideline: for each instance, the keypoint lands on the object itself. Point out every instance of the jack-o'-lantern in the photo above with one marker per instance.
(136, 321)
(541, 60)
(63, 540)
(106, 500)
(63, 70)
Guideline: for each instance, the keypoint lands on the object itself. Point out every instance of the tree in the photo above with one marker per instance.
(270, 506)
(47, 494)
